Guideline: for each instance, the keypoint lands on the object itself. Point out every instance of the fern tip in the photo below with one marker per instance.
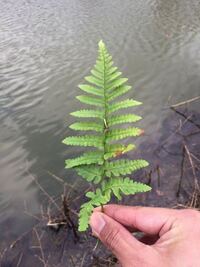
(101, 44)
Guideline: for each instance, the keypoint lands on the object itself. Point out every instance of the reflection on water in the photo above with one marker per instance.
(46, 48)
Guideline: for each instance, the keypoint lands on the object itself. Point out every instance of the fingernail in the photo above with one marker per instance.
(97, 223)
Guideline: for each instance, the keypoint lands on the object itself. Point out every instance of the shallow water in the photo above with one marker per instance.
(47, 47)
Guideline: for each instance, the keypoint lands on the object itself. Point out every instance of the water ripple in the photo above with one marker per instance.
(47, 47)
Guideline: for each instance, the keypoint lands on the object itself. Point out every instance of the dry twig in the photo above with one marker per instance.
(185, 102)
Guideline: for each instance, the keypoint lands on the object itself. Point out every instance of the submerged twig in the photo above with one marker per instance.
(183, 115)
(20, 259)
(158, 174)
(182, 172)
(185, 102)
(193, 167)
(42, 258)
(45, 192)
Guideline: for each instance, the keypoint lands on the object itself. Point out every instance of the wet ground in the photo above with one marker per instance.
(174, 173)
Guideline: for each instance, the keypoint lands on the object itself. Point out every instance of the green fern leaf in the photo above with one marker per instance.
(84, 216)
(117, 134)
(88, 113)
(93, 80)
(85, 140)
(96, 74)
(125, 186)
(96, 199)
(90, 173)
(99, 67)
(113, 76)
(124, 166)
(91, 89)
(118, 92)
(111, 70)
(86, 158)
(87, 126)
(90, 100)
(116, 83)
(127, 118)
(102, 87)
(123, 104)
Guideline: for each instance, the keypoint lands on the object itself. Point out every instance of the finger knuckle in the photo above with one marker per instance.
(112, 237)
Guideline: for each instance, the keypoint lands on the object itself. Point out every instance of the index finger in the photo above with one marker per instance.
(149, 220)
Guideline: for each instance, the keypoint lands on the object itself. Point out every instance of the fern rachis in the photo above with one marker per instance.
(103, 88)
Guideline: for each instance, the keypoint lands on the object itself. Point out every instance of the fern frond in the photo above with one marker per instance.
(91, 89)
(85, 159)
(91, 100)
(124, 166)
(85, 140)
(91, 173)
(117, 134)
(124, 185)
(127, 118)
(102, 87)
(88, 113)
(123, 104)
(87, 126)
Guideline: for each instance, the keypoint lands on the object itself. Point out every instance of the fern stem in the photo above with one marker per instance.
(105, 126)
(102, 208)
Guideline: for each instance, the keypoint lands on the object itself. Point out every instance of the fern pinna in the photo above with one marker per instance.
(104, 86)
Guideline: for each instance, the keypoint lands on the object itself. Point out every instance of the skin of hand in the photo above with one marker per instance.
(171, 238)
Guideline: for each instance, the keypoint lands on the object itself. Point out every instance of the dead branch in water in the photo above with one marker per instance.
(193, 167)
(42, 258)
(182, 172)
(186, 117)
(185, 102)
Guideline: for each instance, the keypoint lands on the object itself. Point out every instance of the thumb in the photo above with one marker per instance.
(122, 243)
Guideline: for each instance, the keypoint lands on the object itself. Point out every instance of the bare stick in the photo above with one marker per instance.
(18, 239)
(40, 246)
(20, 259)
(193, 167)
(185, 102)
(45, 192)
(83, 259)
(184, 116)
(56, 177)
(2, 256)
(181, 124)
(182, 171)
(158, 174)
(28, 213)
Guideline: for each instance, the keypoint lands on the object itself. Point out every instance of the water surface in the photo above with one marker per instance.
(47, 47)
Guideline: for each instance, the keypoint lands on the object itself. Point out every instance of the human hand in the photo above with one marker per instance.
(171, 237)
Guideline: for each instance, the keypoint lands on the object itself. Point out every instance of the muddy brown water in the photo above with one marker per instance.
(46, 48)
